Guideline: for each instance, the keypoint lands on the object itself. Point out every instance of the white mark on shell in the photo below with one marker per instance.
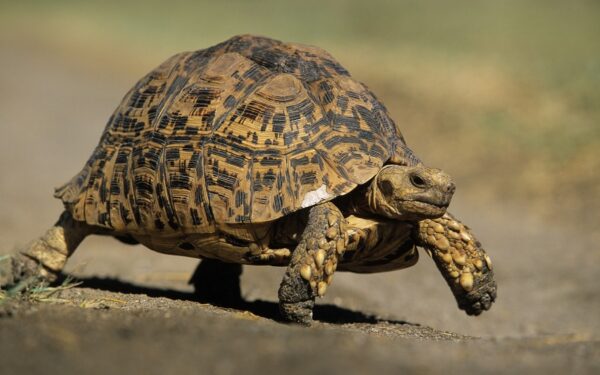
(313, 197)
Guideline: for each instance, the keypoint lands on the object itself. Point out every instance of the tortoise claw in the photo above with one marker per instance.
(480, 298)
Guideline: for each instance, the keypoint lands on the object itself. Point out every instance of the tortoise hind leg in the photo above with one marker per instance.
(313, 263)
(44, 258)
(218, 283)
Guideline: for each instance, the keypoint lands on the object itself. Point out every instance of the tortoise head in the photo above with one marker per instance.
(410, 192)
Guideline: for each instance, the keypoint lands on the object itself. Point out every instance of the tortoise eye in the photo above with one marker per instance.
(417, 181)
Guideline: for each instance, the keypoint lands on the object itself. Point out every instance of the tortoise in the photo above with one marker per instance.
(260, 152)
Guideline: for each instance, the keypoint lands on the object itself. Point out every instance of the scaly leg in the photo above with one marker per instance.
(45, 257)
(218, 283)
(461, 260)
(313, 263)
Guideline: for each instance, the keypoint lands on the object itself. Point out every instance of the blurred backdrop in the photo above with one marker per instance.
(503, 95)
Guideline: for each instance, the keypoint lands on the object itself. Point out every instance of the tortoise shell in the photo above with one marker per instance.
(246, 131)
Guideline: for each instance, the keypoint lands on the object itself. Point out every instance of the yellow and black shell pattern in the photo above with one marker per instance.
(246, 131)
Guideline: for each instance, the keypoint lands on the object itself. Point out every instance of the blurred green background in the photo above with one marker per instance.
(504, 95)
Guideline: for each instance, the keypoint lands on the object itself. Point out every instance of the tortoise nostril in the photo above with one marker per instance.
(417, 181)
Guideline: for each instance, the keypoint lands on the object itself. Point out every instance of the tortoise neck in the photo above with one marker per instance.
(357, 202)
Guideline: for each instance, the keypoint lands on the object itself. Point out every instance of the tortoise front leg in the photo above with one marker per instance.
(313, 263)
(461, 260)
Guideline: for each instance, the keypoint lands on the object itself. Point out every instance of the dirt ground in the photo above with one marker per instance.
(135, 312)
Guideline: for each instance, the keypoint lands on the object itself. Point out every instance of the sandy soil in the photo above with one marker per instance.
(135, 312)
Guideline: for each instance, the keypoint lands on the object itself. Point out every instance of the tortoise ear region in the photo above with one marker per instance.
(386, 187)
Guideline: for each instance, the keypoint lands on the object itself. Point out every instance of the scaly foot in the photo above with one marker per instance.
(461, 260)
(313, 263)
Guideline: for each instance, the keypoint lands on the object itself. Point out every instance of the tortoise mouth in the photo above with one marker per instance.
(425, 208)
(426, 202)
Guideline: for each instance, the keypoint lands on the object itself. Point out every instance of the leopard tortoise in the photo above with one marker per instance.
(260, 152)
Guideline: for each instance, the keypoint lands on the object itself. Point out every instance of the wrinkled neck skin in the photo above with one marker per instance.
(356, 203)
(366, 201)
(377, 203)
